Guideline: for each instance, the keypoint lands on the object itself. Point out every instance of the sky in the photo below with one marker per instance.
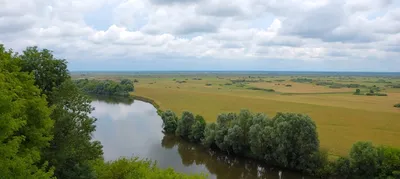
(267, 35)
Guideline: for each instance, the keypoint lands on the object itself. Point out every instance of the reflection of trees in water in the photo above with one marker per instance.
(113, 99)
(218, 163)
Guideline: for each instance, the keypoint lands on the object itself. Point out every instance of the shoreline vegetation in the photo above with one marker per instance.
(231, 131)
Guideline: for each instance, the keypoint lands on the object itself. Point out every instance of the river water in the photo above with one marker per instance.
(129, 128)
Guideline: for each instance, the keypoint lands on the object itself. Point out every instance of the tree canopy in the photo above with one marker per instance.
(25, 124)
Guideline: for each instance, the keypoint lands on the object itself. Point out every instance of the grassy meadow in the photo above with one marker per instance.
(341, 117)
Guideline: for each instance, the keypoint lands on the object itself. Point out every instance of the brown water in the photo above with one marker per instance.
(133, 128)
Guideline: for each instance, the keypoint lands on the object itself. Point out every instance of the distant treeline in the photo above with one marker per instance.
(339, 85)
(287, 140)
(106, 87)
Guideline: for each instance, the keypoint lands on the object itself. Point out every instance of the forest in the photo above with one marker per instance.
(46, 127)
(287, 140)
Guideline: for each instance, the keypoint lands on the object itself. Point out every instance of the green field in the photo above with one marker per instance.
(341, 117)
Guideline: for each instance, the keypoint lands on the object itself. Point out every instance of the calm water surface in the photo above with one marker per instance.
(133, 128)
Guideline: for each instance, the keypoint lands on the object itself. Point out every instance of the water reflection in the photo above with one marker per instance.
(134, 129)
(220, 165)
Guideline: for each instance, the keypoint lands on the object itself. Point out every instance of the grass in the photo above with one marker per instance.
(341, 117)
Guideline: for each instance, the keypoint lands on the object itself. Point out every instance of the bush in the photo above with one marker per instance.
(135, 168)
(184, 127)
(208, 84)
(397, 105)
(358, 92)
(261, 89)
(170, 121)
(375, 94)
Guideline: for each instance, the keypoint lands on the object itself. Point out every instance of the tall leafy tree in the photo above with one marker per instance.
(197, 131)
(72, 147)
(49, 72)
(296, 140)
(363, 159)
(185, 124)
(170, 121)
(25, 125)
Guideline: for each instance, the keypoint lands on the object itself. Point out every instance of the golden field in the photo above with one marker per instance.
(341, 118)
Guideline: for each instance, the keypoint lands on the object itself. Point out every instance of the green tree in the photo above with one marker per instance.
(184, 127)
(25, 125)
(48, 71)
(388, 162)
(260, 137)
(197, 132)
(342, 167)
(170, 121)
(296, 140)
(72, 148)
(209, 135)
(363, 159)
(358, 92)
(222, 126)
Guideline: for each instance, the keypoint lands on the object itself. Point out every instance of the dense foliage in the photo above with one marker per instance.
(170, 121)
(25, 124)
(397, 105)
(261, 89)
(106, 87)
(287, 140)
(45, 123)
(134, 168)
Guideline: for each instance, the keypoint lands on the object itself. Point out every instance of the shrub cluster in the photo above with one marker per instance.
(287, 140)
(105, 87)
(261, 89)
(366, 161)
(135, 168)
(397, 105)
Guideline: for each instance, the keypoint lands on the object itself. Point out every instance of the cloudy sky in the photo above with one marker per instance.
(317, 35)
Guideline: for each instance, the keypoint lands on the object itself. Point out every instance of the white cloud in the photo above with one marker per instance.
(204, 31)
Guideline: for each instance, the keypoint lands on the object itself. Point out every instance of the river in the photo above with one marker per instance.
(132, 128)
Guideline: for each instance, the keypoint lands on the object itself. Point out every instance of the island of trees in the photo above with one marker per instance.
(287, 140)
(105, 87)
(46, 128)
